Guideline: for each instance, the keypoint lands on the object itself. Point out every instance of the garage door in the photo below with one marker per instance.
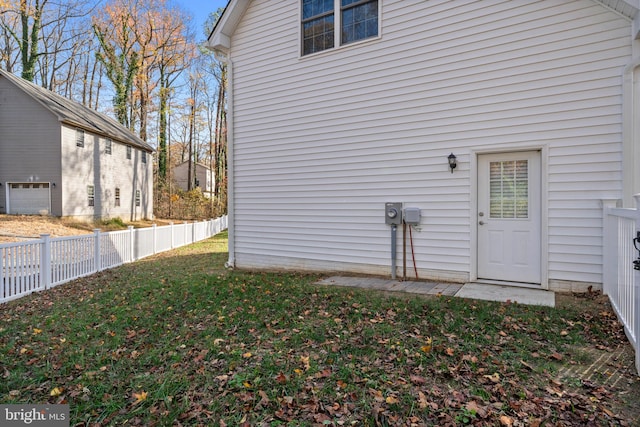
(30, 198)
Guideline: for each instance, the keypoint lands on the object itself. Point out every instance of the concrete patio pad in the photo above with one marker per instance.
(503, 293)
(470, 290)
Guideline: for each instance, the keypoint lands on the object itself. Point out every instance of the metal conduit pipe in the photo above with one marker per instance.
(394, 232)
(393, 217)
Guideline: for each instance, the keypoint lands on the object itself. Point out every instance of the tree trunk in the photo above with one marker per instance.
(192, 115)
(29, 39)
(162, 143)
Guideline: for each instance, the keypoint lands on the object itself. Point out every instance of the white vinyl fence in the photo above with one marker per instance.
(621, 281)
(37, 265)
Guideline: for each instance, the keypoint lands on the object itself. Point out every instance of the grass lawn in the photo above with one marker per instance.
(176, 339)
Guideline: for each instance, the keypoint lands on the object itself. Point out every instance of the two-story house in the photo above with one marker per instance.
(60, 158)
(506, 124)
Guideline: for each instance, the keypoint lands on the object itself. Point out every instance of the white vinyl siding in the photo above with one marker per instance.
(322, 142)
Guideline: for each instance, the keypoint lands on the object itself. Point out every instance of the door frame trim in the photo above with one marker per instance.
(544, 211)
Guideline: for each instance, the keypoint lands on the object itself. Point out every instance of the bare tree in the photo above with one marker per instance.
(24, 21)
(218, 126)
(9, 50)
(119, 53)
(62, 44)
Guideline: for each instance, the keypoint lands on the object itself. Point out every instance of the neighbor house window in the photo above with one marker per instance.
(128, 152)
(137, 197)
(79, 138)
(144, 157)
(107, 146)
(91, 195)
(356, 20)
(117, 197)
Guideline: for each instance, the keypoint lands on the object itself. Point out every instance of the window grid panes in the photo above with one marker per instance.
(107, 147)
(359, 20)
(79, 138)
(91, 194)
(317, 25)
(117, 197)
(356, 20)
(509, 189)
(128, 152)
(144, 156)
(137, 197)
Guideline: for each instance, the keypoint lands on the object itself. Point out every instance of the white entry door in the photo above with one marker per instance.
(509, 217)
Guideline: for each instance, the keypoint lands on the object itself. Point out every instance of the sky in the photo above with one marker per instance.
(200, 10)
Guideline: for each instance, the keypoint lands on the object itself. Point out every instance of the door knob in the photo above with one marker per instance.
(481, 222)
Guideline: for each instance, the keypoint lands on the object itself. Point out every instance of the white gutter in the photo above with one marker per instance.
(226, 59)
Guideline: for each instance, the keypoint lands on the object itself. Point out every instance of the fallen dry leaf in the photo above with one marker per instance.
(506, 421)
(56, 391)
(140, 397)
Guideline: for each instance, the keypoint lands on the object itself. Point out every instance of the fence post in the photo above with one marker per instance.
(636, 294)
(153, 226)
(131, 243)
(45, 261)
(97, 261)
(171, 224)
(186, 234)
(609, 246)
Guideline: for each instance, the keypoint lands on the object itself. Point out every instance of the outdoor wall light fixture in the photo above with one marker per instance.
(452, 162)
(53, 185)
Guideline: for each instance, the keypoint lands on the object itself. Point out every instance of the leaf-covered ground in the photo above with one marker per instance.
(177, 340)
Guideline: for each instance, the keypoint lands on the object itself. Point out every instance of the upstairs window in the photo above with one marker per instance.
(107, 146)
(356, 20)
(144, 156)
(129, 152)
(359, 20)
(117, 196)
(137, 197)
(79, 137)
(317, 25)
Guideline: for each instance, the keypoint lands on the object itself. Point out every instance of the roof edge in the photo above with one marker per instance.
(65, 110)
(220, 37)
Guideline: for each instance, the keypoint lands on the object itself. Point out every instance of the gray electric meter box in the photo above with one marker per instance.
(412, 216)
(393, 213)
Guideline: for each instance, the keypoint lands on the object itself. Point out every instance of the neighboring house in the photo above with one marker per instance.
(338, 107)
(203, 177)
(60, 158)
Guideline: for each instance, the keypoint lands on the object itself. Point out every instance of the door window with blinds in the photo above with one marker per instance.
(509, 189)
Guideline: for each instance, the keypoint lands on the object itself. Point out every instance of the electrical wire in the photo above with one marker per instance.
(413, 255)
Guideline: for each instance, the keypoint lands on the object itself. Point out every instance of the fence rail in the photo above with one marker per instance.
(621, 282)
(40, 264)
